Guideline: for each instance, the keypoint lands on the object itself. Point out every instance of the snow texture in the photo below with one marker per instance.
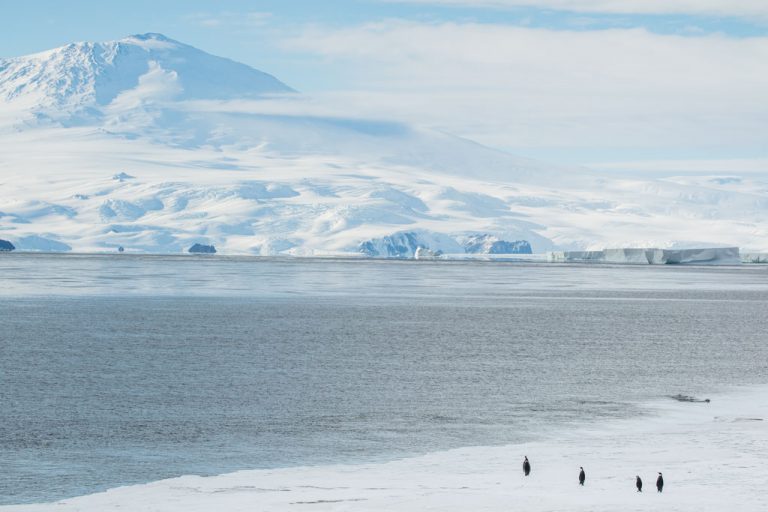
(153, 145)
(711, 454)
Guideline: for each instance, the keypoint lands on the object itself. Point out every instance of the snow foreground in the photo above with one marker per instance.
(140, 143)
(711, 454)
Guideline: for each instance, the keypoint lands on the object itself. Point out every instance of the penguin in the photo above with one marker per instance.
(639, 484)
(582, 476)
(526, 466)
(660, 482)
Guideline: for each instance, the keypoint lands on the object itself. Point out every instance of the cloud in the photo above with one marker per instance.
(729, 8)
(228, 19)
(516, 87)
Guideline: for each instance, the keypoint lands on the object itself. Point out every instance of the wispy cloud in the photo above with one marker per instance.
(520, 87)
(735, 8)
(229, 19)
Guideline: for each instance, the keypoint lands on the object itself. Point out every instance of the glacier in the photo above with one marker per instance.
(152, 145)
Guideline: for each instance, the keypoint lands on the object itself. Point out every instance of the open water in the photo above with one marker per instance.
(118, 369)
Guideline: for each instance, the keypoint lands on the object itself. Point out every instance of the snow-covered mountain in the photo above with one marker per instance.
(91, 75)
(153, 145)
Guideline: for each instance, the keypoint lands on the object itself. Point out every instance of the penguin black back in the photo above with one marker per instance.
(639, 484)
(582, 476)
(526, 466)
(660, 483)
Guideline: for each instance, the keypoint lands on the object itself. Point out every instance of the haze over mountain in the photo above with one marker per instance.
(153, 145)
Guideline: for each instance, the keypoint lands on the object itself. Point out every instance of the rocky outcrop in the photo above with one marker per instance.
(202, 249)
(6, 246)
(489, 244)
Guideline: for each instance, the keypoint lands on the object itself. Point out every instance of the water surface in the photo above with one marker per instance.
(126, 369)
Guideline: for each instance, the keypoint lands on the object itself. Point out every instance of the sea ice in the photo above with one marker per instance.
(712, 456)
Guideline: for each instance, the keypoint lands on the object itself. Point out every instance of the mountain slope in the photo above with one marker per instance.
(153, 145)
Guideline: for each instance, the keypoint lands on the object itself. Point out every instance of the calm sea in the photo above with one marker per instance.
(124, 369)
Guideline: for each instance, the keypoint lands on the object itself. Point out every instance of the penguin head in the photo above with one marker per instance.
(659, 473)
(581, 467)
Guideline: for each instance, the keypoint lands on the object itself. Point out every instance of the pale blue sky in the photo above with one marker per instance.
(498, 71)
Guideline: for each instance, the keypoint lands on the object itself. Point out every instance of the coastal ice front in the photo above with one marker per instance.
(151, 145)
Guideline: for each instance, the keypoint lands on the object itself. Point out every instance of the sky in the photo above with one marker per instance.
(640, 85)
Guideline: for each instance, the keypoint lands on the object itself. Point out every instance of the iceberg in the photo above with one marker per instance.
(404, 245)
(706, 256)
(575, 256)
(202, 249)
(651, 256)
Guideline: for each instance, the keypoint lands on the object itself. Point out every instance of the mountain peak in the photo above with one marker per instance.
(152, 39)
(91, 75)
(151, 35)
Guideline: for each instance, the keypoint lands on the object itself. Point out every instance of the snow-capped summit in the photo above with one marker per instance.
(92, 75)
(146, 144)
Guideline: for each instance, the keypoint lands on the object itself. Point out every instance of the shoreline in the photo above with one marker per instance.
(708, 452)
(538, 259)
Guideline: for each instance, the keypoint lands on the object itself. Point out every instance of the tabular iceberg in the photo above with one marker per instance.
(651, 256)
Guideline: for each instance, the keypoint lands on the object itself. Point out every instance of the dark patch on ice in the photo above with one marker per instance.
(687, 398)
(252, 488)
(319, 502)
(6, 246)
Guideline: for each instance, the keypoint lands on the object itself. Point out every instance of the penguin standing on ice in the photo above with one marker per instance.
(582, 476)
(660, 482)
(639, 484)
(526, 466)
